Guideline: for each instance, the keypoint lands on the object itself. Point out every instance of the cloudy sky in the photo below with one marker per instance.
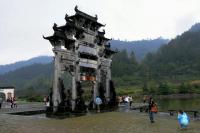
(23, 22)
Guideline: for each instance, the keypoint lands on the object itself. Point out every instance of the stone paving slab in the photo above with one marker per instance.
(21, 107)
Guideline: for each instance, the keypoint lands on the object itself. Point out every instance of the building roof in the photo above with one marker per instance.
(108, 51)
(6, 87)
(57, 36)
(80, 14)
(101, 35)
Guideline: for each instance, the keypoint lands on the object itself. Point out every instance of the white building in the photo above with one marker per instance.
(8, 91)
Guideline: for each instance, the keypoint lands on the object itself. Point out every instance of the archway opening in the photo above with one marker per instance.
(9, 95)
(87, 87)
(3, 96)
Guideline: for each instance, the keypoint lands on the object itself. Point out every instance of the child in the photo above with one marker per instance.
(183, 119)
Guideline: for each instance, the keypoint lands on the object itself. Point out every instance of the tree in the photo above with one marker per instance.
(163, 89)
(184, 88)
(132, 59)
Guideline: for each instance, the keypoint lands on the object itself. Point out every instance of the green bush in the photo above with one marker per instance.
(184, 88)
(35, 99)
(163, 89)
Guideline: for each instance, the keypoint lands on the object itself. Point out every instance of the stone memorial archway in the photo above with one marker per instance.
(81, 49)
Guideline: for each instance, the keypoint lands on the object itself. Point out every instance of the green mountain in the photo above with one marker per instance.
(195, 28)
(36, 77)
(140, 47)
(11, 67)
(180, 59)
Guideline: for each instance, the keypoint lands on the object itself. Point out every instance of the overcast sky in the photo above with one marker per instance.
(23, 22)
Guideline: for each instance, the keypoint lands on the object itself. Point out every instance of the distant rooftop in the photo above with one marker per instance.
(6, 87)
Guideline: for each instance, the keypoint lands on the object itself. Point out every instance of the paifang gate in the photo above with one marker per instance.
(81, 49)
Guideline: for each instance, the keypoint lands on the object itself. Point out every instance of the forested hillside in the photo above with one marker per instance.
(11, 67)
(36, 77)
(175, 67)
(140, 47)
(180, 59)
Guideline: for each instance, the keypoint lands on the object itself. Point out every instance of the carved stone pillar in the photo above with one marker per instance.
(76, 76)
(108, 78)
(57, 74)
(96, 85)
(73, 92)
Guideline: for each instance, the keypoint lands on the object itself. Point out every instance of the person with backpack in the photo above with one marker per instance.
(183, 119)
(152, 110)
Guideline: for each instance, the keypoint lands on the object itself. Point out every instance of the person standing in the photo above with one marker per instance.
(98, 102)
(183, 119)
(11, 102)
(45, 100)
(152, 110)
(15, 102)
(144, 99)
(119, 100)
(150, 102)
(126, 99)
(130, 101)
(1, 101)
(47, 103)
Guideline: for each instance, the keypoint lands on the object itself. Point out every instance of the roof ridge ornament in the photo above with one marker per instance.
(79, 12)
(76, 8)
(66, 16)
(104, 31)
(96, 17)
(55, 27)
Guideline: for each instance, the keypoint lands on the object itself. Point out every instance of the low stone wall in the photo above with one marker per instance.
(177, 96)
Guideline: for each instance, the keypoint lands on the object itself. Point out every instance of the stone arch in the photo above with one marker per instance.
(3, 95)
